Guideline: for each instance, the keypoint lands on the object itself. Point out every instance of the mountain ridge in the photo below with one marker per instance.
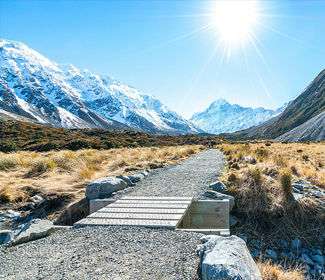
(65, 96)
(223, 116)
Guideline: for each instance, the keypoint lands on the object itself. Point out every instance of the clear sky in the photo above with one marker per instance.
(164, 48)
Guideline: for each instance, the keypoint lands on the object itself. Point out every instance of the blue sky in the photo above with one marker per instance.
(157, 47)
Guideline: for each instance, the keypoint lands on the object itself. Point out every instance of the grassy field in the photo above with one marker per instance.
(66, 173)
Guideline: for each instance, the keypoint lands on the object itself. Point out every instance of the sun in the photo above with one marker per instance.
(235, 21)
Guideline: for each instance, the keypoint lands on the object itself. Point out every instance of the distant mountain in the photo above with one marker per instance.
(221, 116)
(36, 88)
(299, 117)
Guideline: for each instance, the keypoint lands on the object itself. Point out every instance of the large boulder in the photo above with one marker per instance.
(33, 230)
(104, 187)
(226, 258)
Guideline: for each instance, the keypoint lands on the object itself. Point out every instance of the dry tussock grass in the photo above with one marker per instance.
(263, 188)
(271, 271)
(69, 171)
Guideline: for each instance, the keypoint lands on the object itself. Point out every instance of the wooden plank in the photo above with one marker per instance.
(159, 202)
(130, 222)
(156, 198)
(152, 205)
(141, 210)
(144, 216)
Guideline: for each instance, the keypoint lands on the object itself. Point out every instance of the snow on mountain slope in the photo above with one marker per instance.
(221, 116)
(63, 95)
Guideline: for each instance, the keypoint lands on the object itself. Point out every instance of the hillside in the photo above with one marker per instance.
(310, 103)
(311, 130)
(18, 135)
(221, 116)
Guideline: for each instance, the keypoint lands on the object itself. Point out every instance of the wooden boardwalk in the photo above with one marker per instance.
(149, 211)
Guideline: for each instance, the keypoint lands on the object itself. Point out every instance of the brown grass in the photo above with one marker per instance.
(67, 172)
(271, 271)
(263, 189)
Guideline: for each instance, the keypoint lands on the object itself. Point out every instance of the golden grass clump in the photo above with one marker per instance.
(271, 271)
(41, 166)
(8, 162)
(286, 182)
(10, 193)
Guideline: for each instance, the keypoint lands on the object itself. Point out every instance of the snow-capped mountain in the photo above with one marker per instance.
(65, 96)
(221, 116)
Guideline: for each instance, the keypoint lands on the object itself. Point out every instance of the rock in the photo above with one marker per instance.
(136, 177)
(104, 187)
(296, 244)
(218, 187)
(6, 236)
(33, 230)
(306, 259)
(127, 180)
(319, 259)
(145, 172)
(220, 196)
(11, 214)
(250, 160)
(226, 258)
(243, 237)
(37, 199)
(269, 253)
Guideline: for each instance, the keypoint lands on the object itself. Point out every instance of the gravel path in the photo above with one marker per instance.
(121, 253)
(189, 178)
(110, 253)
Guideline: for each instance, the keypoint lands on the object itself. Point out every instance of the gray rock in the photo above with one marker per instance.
(104, 187)
(35, 229)
(220, 196)
(136, 177)
(11, 214)
(37, 199)
(226, 258)
(218, 187)
(269, 253)
(145, 172)
(319, 259)
(306, 259)
(250, 160)
(127, 180)
(6, 236)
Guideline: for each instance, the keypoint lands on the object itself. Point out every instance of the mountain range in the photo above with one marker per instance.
(33, 87)
(302, 120)
(221, 116)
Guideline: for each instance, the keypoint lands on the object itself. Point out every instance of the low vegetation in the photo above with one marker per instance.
(271, 271)
(260, 176)
(65, 173)
(18, 136)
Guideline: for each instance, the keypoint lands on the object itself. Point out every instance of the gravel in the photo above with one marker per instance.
(120, 253)
(104, 253)
(189, 178)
